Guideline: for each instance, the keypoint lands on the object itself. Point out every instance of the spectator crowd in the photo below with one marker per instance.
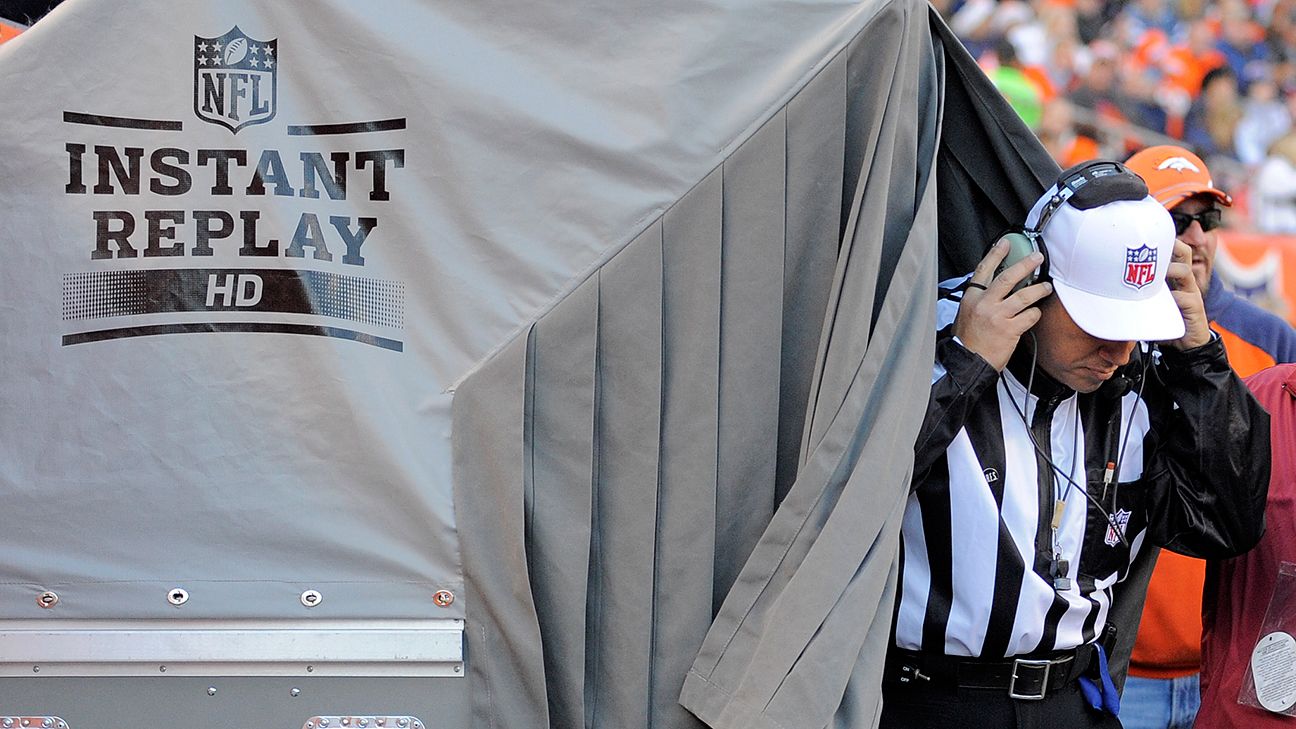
(1104, 78)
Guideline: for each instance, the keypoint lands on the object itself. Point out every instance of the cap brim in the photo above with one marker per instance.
(1154, 319)
(1172, 195)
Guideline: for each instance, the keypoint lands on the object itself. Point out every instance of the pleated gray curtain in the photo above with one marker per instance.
(678, 495)
(636, 463)
(800, 638)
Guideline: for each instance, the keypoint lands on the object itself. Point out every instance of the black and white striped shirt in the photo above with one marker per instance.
(978, 570)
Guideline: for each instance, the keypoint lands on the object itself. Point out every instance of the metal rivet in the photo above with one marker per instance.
(35, 669)
(7, 723)
(311, 669)
(382, 722)
(211, 690)
(311, 598)
(295, 692)
(47, 722)
(47, 599)
(403, 722)
(161, 669)
(458, 668)
(346, 722)
(310, 725)
(364, 722)
(177, 596)
(26, 723)
(443, 598)
(324, 722)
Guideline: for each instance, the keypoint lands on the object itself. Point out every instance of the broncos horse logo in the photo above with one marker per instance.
(1179, 164)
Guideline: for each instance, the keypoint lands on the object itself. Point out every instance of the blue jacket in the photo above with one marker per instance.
(1236, 318)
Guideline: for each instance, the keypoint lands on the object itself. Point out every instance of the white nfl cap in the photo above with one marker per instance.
(1108, 264)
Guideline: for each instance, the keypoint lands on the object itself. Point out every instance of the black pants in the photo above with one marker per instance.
(947, 707)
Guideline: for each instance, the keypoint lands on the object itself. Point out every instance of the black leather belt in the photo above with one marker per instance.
(1029, 678)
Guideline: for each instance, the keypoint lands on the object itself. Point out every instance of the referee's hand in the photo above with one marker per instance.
(991, 318)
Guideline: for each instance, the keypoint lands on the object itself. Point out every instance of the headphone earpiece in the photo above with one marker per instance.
(1022, 243)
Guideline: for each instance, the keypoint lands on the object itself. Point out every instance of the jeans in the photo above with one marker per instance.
(1160, 703)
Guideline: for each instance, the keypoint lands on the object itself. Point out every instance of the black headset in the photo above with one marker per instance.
(1087, 185)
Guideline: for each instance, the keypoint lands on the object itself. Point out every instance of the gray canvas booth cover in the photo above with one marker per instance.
(601, 328)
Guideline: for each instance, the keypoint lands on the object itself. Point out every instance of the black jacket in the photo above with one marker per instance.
(1193, 478)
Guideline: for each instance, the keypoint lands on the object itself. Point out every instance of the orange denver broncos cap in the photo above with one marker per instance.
(1173, 173)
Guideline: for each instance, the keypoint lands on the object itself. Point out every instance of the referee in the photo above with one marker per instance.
(1080, 408)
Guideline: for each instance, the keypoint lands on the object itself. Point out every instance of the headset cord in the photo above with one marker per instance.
(1120, 533)
(1129, 428)
(1059, 494)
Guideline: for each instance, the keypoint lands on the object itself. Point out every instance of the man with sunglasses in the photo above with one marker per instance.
(1162, 689)
(1179, 180)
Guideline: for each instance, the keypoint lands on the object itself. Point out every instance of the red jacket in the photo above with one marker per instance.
(1238, 590)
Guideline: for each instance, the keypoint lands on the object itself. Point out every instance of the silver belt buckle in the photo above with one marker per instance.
(1033, 664)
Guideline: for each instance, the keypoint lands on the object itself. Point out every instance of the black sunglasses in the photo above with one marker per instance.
(1208, 219)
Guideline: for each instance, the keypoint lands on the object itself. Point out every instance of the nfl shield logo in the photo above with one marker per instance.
(234, 79)
(1121, 520)
(1140, 266)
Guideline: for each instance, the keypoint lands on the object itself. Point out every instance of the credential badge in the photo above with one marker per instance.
(235, 79)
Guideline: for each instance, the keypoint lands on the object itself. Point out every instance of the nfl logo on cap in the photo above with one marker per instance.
(1108, 263)
(1140, 266)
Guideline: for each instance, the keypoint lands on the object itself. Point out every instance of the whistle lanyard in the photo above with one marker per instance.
(1058, 565)
(1060, 489)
